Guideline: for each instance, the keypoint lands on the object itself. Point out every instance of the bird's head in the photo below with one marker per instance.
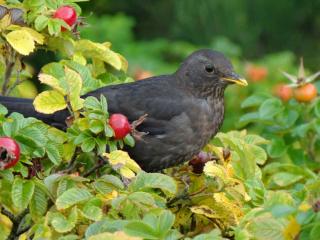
(207, 70)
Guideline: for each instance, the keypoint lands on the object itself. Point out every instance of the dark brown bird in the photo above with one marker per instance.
(184, 110)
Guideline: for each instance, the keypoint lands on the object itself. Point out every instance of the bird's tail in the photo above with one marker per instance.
(26, 108)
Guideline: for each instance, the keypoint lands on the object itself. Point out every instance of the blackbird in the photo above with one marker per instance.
(184, 110)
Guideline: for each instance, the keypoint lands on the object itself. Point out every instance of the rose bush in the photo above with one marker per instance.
(80, 184)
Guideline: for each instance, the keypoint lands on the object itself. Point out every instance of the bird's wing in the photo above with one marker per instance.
(156, 97)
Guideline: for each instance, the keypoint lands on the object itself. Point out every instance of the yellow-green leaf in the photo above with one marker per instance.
(77, 57)
(205, 210)
(215, 170)
(74, 82)
(121, 161)
(124, 63)
(49, 102)
(5, 22)
(100, 51)
(21, 41)
(52, 82)
(113, 236)
(292, 230)
(37, 37)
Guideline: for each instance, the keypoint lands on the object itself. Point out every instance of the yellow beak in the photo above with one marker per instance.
(235, 78)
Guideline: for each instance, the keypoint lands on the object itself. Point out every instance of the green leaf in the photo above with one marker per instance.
(255, 139)
(266, 227)
(54, 26)
(213, 235)
(101, 142)
(301, 130)
(317, 108)
(165, 222)
(64, 185)
(3, 110)
(248, 118)
(71, 197)
(140, 229)
(62, 224)
(287, 118)
(277, 147)
(49, 102)
(54, 155)
(69, 237)
(254, 100)
(129, 140)
(260, 154)
(282, 210)
(154, 180)
(107, 183)
(63, 45)
(34, 134)
(88, 144)
(106, 225)
(92, 212)
(96, 126)
(38, 204)
(270, 108)
(284, 179)
(141, 198)
(22, 191)
(54, 69)
(92, 103)
(108, 131)
(315, 232)
(41, 22)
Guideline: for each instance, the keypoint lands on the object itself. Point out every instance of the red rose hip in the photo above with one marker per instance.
(120, 125)
(9, 152)
(67, 14)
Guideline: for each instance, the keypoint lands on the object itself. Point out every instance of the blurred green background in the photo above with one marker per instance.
(261, 37)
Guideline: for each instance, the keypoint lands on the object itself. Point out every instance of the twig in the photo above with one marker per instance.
(16, 83)
(185, 196)
(10, 58)
(16, 221)
(70, 165)
(8, 214)
(7, 75)
(99, 164)
(23, 230)
(197, 192)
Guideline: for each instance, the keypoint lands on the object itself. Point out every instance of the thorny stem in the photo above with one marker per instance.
(16, 221)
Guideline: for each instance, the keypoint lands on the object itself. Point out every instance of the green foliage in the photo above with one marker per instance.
(288, 126)
(81, 184)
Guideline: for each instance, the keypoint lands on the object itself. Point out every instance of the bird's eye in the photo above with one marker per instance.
(209, 68)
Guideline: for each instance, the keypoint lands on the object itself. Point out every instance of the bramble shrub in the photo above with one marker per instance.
(80, 184)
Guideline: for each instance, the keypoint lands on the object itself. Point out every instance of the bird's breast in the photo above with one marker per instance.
(211, 118)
